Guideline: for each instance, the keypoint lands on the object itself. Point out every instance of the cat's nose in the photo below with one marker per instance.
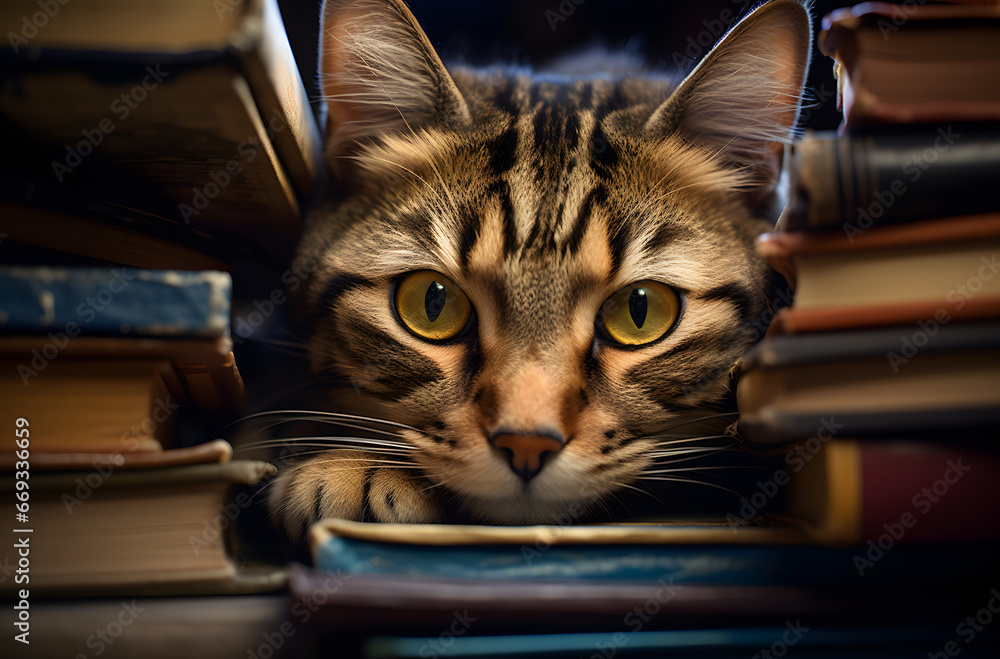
(526, 453)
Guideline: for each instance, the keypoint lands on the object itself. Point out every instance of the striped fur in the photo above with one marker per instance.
(539, 196)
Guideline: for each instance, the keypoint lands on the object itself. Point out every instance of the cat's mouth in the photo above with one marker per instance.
(496, 488)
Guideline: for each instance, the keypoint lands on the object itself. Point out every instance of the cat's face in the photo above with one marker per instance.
(537, 276)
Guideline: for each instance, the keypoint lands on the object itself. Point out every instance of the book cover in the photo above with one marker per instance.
(915, 63)
(155, 531)
(229, 148)
(950, 260)
(874, 177)
(118, 301)
(909, 381)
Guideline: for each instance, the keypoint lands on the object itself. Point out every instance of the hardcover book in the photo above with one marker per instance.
(195, 108)
(141, 531)
(913, 63)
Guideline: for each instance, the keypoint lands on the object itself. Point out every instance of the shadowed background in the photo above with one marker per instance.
(671, 35)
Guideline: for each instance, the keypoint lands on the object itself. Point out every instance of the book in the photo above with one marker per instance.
(122, 350)
(221, 627)
(132, 532)
(636, 638)
(864, 524)
(217, 450)
(410, 605)
(904, 64)
(948, 260)
(923, 380)
(876, 176)
(840, 494)
(196, 109)
(790, 320)
(95, 405)
(119, 236)
(118, 301)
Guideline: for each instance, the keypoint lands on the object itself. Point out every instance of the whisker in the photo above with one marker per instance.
(670, 440)
(327, 449)
(318, 441)
(704, 418)
(667, 452)
(368, 464)
(311, 415)
(332, 422)
(706, 468)
(687, 480)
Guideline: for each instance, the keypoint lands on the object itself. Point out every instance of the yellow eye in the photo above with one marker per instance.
(432, 306)
(640, 313)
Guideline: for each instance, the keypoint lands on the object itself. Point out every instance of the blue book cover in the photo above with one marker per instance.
(674, 555)
(114, 301)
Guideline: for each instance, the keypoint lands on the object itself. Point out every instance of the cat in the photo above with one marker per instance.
(524, 284)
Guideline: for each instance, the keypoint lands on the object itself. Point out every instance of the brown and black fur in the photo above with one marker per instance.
(539, 197)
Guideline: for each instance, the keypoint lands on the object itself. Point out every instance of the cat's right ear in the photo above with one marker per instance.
(379, 74)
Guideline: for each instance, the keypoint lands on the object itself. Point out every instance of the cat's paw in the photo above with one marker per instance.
(348, 485)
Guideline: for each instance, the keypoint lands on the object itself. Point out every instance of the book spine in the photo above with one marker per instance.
(928, 492)
(897, 174)
(876, 495)
(120, 301)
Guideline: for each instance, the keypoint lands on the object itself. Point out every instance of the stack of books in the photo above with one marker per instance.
(155, 155)
(157, 135)
(889, 355)
(101, 366)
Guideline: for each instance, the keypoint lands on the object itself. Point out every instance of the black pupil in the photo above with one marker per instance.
(434, 300)
(637, 306)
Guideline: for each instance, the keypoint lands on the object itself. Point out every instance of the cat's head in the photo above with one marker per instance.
(540, 274)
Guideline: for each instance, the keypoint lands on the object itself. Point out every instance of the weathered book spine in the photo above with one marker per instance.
(120, 301)
(896, 174)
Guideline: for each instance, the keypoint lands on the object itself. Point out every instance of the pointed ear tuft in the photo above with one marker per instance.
(741, 103)
(380, 74)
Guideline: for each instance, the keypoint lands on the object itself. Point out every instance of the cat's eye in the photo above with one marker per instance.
(640, 313)
(432, 306)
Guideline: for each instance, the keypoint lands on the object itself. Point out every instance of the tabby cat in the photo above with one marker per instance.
(529, 281)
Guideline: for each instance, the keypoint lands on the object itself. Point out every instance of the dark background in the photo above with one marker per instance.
(662, 34)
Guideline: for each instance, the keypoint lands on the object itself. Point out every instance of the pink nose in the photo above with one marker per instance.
(525, 452)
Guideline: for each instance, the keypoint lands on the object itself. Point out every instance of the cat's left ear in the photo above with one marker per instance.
(741, 103)
(380, 75)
